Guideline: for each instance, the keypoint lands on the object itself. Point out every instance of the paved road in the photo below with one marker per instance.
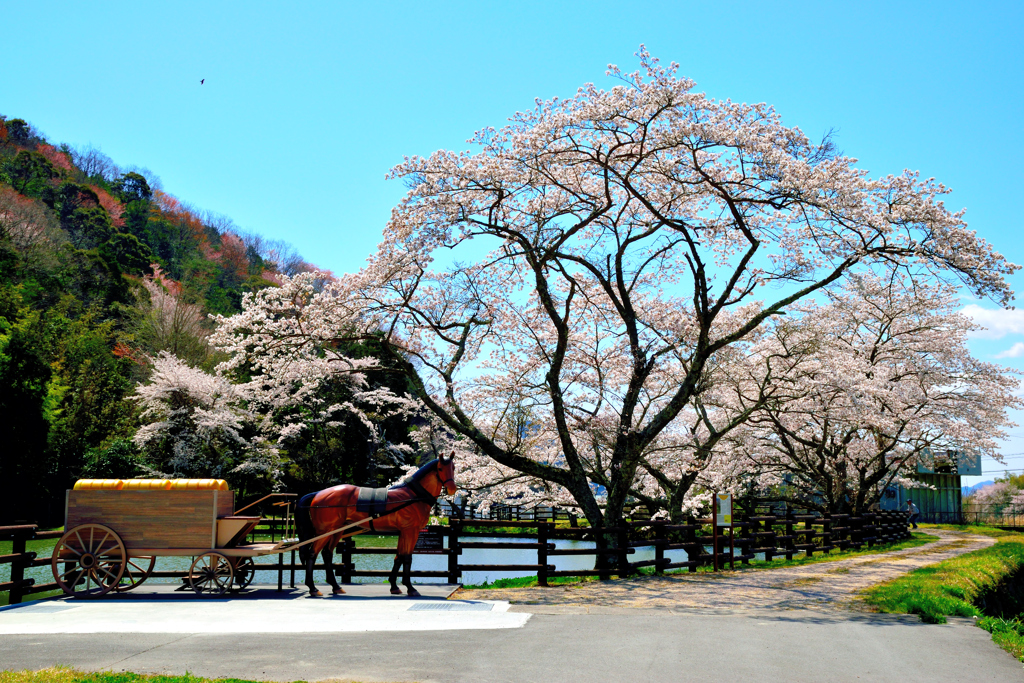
(608, 644)
(647, 633)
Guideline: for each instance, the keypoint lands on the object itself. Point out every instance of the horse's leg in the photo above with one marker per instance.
(328, 555)
(406, 542)
(393, 578)
(407, 580)
(310, 561)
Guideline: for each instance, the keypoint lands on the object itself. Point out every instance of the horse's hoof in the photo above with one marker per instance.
(395, 590)
(314, 593)
(338, 591)
(413, 593)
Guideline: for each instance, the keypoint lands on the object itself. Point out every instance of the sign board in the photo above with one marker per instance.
(723, 509)
(949, 461)
(430, 540)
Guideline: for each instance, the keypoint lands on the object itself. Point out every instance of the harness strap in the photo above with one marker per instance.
(421, 492)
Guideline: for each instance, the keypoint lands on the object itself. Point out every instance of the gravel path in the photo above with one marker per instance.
(824, 585)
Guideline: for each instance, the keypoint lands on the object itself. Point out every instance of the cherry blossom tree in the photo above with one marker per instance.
(196, 424)
(868, 384)
(614, 243)
(305, 383)
(167, 322)
(559, 298)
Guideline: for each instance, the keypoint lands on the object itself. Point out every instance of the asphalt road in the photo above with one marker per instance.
(612, 644)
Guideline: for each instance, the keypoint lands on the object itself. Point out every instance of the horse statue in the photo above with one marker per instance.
(404, 508)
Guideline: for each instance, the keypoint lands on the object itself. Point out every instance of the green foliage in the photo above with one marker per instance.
(132, 187)
(529, 582)
(342, 449)
(1015, 480)
(25, 403)
(29, 172)
(120, 460)
(79, 316)
(61, 394)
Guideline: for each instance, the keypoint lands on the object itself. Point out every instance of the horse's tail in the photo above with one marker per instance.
(304, 525)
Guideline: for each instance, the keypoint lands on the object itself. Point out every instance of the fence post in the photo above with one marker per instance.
(714, 542)
(280, 571)
(18, 566)
(542, 553)
(346, 559)
(454, 550)
(790, 538)
(826, 532)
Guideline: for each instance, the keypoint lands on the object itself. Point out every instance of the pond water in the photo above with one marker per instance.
(369, 562)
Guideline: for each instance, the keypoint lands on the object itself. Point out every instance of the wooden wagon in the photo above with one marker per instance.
(115, 530)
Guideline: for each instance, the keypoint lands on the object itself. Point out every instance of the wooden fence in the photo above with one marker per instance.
(773, 535)
(21, 559)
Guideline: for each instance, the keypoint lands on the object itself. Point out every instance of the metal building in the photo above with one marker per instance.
(939, 496)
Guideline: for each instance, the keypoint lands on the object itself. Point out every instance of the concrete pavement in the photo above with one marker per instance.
(561, 644)
(159, 609)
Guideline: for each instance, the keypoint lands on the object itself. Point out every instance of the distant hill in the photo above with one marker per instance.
(968, 490)
(100, 269)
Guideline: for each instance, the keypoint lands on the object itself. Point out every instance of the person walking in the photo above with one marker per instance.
(914, 512)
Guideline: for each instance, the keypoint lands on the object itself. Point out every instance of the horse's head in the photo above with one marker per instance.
(446, 473)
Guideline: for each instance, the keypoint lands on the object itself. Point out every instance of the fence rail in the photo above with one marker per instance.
(20, 559)
(773, 535)
(974, 513)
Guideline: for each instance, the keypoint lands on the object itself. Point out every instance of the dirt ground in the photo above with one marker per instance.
(820, 586)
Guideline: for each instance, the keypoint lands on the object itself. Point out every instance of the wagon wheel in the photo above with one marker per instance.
(211, 573)
(245, 572)
(136, 570)
(88, 561)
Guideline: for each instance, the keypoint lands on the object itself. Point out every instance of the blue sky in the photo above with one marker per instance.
(306, 106)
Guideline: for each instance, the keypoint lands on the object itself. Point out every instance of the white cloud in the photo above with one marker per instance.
(998, 322)
(1015, 351)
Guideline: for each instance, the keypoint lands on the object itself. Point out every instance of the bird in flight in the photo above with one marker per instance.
(202, 81)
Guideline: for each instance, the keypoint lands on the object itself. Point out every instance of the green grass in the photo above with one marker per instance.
(950, 587)
(529, 581)
(5, 596)
(62, 674)
(43, 546)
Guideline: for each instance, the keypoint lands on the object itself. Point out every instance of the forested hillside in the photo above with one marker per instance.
(100, 272)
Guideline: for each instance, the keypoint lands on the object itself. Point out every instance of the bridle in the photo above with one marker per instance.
(444, 482)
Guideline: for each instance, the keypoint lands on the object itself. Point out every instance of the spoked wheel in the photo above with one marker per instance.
(136, 570)
(211, 573)
(245, 571)
(88, 561)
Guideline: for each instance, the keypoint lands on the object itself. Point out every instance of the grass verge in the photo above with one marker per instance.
(919, 539)
(5, 597)
(951, 587)
(1006, 633)
(62, 674)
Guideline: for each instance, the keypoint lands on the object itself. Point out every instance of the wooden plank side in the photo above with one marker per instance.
(225, 503)
(149, 519)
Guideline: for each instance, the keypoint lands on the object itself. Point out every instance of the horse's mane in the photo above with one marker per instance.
(417, 475)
